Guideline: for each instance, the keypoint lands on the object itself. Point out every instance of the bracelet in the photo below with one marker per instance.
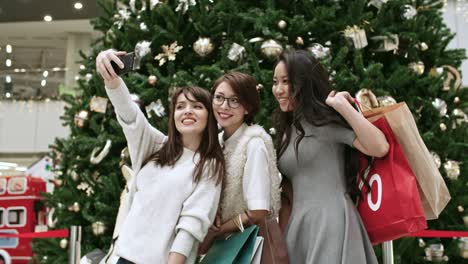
(241, 224)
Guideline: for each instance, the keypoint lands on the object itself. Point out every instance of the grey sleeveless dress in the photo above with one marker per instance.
(324, 227)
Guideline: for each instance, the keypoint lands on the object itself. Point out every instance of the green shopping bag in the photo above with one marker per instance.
(236, 249)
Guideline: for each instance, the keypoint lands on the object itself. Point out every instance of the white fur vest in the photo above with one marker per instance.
(232, 198)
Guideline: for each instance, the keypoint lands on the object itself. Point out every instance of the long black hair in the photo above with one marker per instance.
(309, 87)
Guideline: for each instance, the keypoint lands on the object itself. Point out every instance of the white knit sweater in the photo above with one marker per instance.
(168, 211)
(233, 200)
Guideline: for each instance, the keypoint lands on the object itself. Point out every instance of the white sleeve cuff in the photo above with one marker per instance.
(258, 204)
(183, 243)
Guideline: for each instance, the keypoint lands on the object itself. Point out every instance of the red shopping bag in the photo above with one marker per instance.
(391, 208)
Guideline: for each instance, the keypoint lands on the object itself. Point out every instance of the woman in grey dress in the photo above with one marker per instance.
(315, 126)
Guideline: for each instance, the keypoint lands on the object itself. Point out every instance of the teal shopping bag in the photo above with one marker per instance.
(236, 249)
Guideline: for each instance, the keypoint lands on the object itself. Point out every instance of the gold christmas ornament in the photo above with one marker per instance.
(443, 127)
(417, 67)
(460, 209)
(271, 49)
(98, 228)
(386, 100)
(456, 100)
(367, 99)
(203, 46)
(452, 168)
(152, 79)
(63, 243)
(440, 105)
(272, 131)
(282, 24)
(168, 54)
(236, 52)
(436, 159)
(299, 41)
(98, 104)
(259, 87)
(81, 117)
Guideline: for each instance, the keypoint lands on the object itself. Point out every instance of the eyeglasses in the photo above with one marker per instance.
(232, 102)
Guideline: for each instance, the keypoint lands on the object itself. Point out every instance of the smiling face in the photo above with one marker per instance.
(190, 116)
(230, 119)
(281, 88)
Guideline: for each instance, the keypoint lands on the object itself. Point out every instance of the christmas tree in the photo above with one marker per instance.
(395, 50)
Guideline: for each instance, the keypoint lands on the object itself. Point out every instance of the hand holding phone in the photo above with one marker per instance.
(127, 60)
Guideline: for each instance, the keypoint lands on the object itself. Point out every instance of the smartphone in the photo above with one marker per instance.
(127, 60)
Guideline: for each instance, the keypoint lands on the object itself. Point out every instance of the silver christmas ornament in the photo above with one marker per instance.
(98, 228)
(440, 105)
(436, 159)
(282, 24)
(461, 117)
(236, 52)
(63, 243)
(435, 253)
(152, 79)
(452, 168)
(386, 100)
(421, 242)
(203, 46)
(460, 209)
(409, 12)
(443, 126)
(319, 51)
(423, 46)
(456, 100)
(271, 49)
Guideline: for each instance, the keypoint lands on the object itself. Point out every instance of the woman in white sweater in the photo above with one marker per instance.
(251, 188)
(175, 194)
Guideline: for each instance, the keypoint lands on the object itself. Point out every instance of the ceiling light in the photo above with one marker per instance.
(43, 83)
(8, 48)
(8, 62)
(78, 5)
(17, 70)
(47, 18)
(9, 164)
(22, 168)
(23, 70)
(8, 79)
(45, 74)
(8, 95)
(56, 69)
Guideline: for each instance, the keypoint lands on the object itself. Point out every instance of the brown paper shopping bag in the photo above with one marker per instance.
(432, 189)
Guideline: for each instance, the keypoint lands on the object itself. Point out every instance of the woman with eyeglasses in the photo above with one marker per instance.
(251, 186)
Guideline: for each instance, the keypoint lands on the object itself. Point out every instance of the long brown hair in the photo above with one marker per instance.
(209, 150)
(309, 88)
(245, 87)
